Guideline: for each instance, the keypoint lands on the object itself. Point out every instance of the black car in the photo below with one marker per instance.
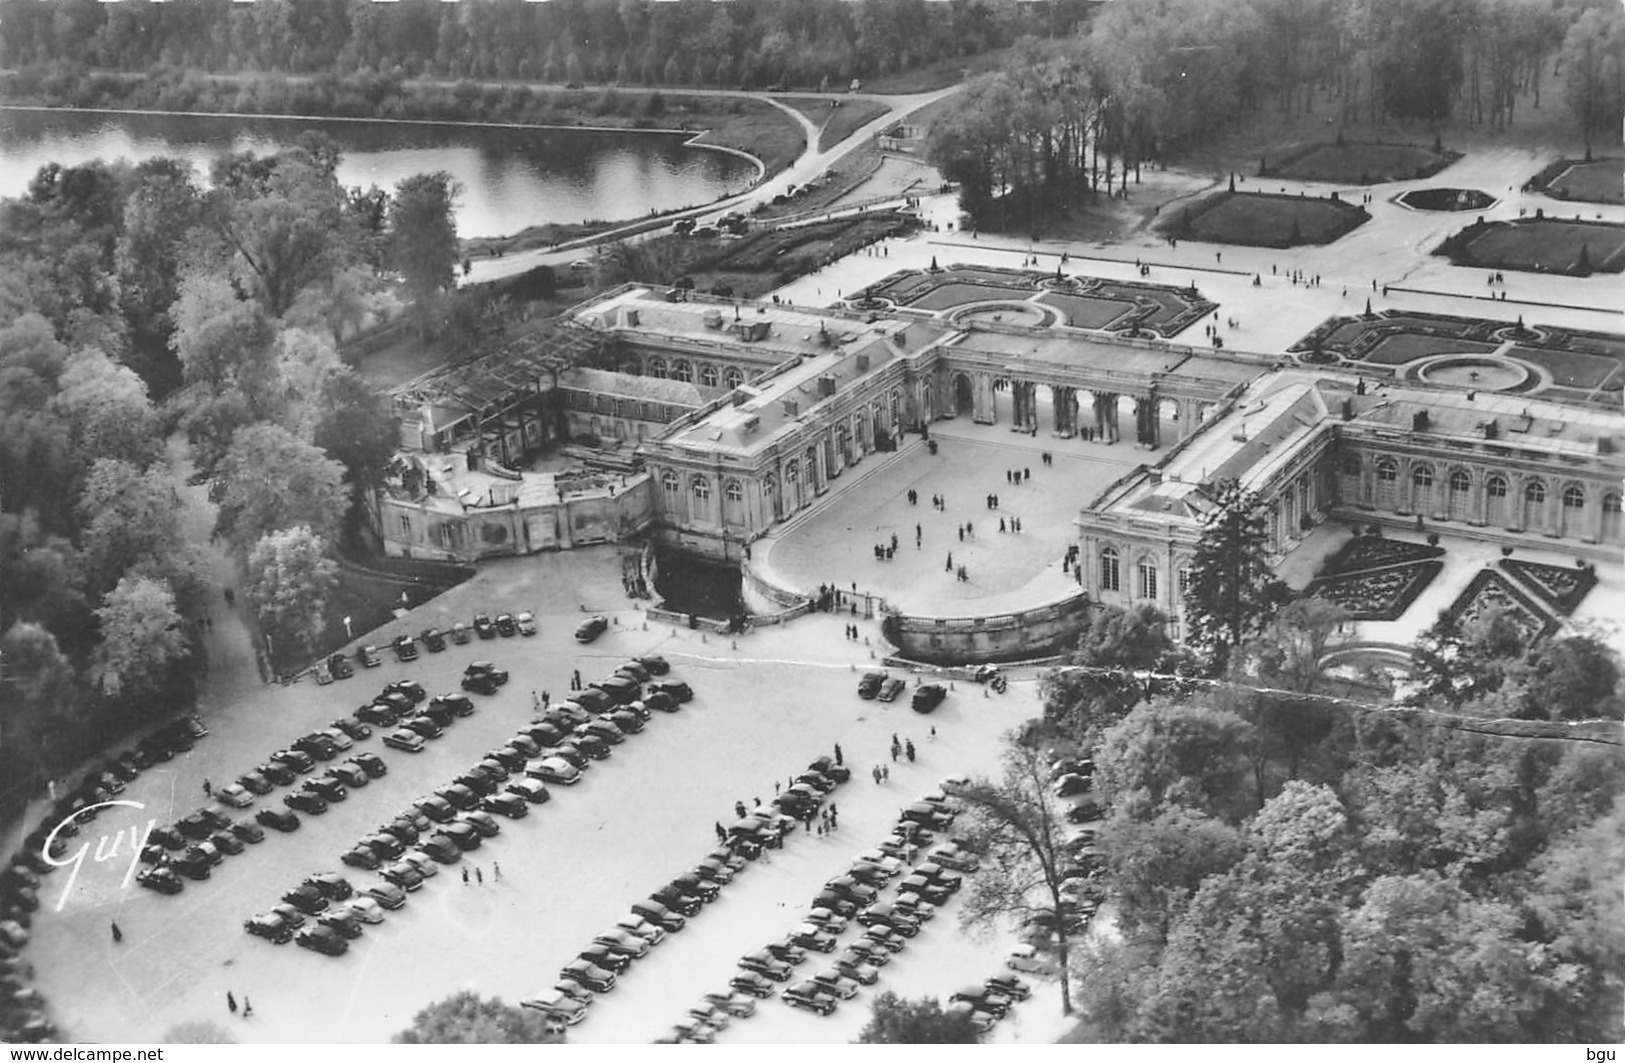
(343, 922)
(480, 783)
(379, 715)
(458, 796)
(370, 763)
(271, 927)
(306, 898)
(487, 668)
(512, 757)
(249, 832)
(405, 648)
(928, 697)
(590, 628)
(347, 774)
(590, 746)
(294, 760)
(194, 827)
(433, 640)
(255, 782)
(825, 766)
(606, 957)
(361, 857)
(810, 996)
(193, 865)
(461, 835)
(440, 714)
(160, 880)
(307, 803)
(456, 704)
(869, 685)
(423, 726)
(407, 689)
(653, 663)
(226, 842)
(319, 746)
(329, 790)
(506, 627)
(1085, 813)
(506, 804)
(330, 885)
(441, 850)
(402, 829)
(322, 939)
(339, 668)
(385, 845)
(481, 683)
(401, 873)
(360, 732)
(659, 699)
(483, 627)
(676, 689)
(368, 656)
(483, 824)
(436, 808)
(752, 983)
(277, 819)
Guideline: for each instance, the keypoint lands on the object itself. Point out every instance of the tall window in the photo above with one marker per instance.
(669, 487)
(1610, 519)
(1148, 579)
(657, 367)
(1574, 503)
(1387, 479)
(1110, 574)
(702, 498)
(1184, 581)
(708, 375)
(732, 377)
(1422, 489)
(1495, 497)
(683, 371)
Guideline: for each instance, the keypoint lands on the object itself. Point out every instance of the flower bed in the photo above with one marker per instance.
(1561, 588)
(1377, 594)
(1373, 551)
(1489, 590)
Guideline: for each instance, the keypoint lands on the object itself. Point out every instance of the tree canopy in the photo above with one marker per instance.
(465, 1018)
(895, 1020)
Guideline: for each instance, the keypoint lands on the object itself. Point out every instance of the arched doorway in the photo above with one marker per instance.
(1460, 496)
(1534, 506)
(964, 396)
(1571, 517)
(1612, 532)
(1496, 510)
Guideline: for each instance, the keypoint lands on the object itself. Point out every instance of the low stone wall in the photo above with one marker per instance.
(1036, 632)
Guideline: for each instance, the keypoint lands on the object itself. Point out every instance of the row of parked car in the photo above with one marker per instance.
(702, 885)
(23, 1010)
(483, 626)
(880, 686)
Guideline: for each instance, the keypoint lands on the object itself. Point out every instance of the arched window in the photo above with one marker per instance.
(732, 377)
(669, 487)
(1574, 504)
(1534, 506)
(1611, 525)
(1460, 499)
(734, 490)
(1387, 483)
(733, 502)
(1423, 476)
(657, 367)
(1495, 501)
(1534, 491)
(1147, 579)
(1184, 581)
(1422, 489)
(1110, 572)
(708, 375)
(1574, 497)
(681, 370)
(701, 488)
(1460, 482)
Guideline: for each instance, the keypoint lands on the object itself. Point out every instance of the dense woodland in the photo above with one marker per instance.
(1157, 80)
(690, 42)
(134, 303)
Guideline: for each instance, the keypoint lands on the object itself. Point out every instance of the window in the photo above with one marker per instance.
(702, 489)
(668, 484)
(1148, 579)
(1387, 483)
(1460, 482)
(406, 524)
(734, 491)
(1110, 578)
(732, 377)
(1574, 498)
(657, 367)
(1610, 519)
(1535, 492)
(683, 371)
(708, 375)
(1387, 470)
(1496, 488)
(1423, 476)
(1184, 582)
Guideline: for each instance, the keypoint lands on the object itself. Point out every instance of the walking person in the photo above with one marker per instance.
(479, 877)
(838, 753)
(465, 876)
(496, 871)
(231, 1002)
(908, 747)
(885, 772)
(248, 1009)
(208, 789)
(118, 935)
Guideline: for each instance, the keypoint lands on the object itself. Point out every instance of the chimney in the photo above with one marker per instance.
(1419, 421)
(826, 386)
(791, 407)
(863, 363)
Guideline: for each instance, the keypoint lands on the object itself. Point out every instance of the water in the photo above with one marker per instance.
(511, 178)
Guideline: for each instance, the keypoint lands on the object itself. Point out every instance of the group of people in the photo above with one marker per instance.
(1015, 524)
(900, 748)
(479, 875)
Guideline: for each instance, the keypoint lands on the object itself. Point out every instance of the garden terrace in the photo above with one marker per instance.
(1539, 245)
(1374, 551)
(1263, 219)
(1359, 162)
(1492, 590)
(1379, 593)
(1584, 182)
(1561, 588)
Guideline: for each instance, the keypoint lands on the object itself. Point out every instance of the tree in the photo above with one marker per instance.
(1135, 638)
(41, 682)
(1288, 652)
(356, 429)
(1579, 916)
(106, 409)
(1572, 678)
(896, 1021)
(466, 1019)
(271, 480)
(290, 578)
(423, 237)
(1154, 866)
(141, 637)
(129, 515)
(1168, 753)
(225, 346)
(197, 1032)
(1229, 594)
(1017, 825)
(1592, 64)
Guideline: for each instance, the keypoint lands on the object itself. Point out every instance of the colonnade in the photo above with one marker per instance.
(976, 394)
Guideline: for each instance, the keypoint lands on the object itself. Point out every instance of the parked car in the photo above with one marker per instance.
(483, 824)
(482, 682)
(891, 688)
(459, 633)
(506, 627)
(433, 639)
(441, 850)
(653, 663)
(590, 975)
(352, 729)
(928, 696)
(308, 803)
(361, 857)
(766, 965)
(247, 832)
(234, 795)
(404, 740)
(483, 627)
(329, 790)
(437, 808)
(365, 908)
(558, 1006)
(641, 927)
(368, 656)
(838, 985)
(554, 770)
(308, 899)
(954, 858)
(226, 842)
(458, 796)
(386, 894)
(322, 939)
(405, 647)
(160, 880)
(402, 873)
(810, 996)
(370, 763)
(424, 726)
(342, 921)
(505, 804)
(869, 685)
(1027, 958)
(531, 790)
(752, 983)
(1008, 985)
(675, 689)
(338, 667)
(526, 622)
(348, 774)
(738, 1005)
(590, 628)
(270, 926)
(277, 819)
(980, 1020)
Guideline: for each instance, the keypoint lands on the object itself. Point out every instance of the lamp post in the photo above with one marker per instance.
(348, 634)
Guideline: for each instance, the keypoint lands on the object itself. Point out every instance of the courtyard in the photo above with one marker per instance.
(835, 543)
(765, 706)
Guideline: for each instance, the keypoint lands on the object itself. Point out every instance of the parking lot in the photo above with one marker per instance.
(568, 871)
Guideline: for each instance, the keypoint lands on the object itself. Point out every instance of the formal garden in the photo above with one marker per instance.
(1491, 590)
(1358, 162)
(1130, 307)
(1564, 363)
(1263, 219)
(1579, 181)
(1574, 247)
(1377, 578)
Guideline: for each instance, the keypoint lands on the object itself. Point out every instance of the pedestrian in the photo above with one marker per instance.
(876, 774)
(758, 802)
(908, 747)
(950, 566)
(806, 824)
(208, 789)
(118, 935)
(248, 1009)
(546, 697)
(465, 876)
(838, 753)
(933, 732)
(739, 809)
(885, 772)
(722, 835)
(231, 1002)
(1026, 473)
(496, 871)
(961, 533)
(1001, 524)
(775, 787)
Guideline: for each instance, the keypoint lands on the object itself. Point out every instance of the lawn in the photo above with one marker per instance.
(951, 295)
(1589, 182)
(1409, 346)
(1574, 370)
(1086, 311)
(1362, 163)
(847, 119)
(1263, 220)
(1540, 245)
